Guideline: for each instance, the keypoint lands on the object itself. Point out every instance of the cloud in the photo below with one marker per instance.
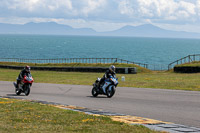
(126, 8)
(102, 11)
(158, 9)
(198, 7)
(92, 5)
(62, 8)
(44, 8)
(161, 9)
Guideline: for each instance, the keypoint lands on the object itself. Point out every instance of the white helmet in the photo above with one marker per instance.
(112, 68)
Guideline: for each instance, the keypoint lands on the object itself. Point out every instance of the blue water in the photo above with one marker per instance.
(142, 50)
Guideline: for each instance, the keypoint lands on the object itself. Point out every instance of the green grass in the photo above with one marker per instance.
(162, 80)
(139, 69)
(192, 64)
(23, 116)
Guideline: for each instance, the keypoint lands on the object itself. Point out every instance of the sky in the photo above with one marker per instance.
(105, 15)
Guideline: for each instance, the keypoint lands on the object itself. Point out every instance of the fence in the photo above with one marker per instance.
(73, 60)
(187, 59)
(157, 67)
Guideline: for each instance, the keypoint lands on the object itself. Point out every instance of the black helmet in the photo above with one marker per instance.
(112, 68)
(27, 68)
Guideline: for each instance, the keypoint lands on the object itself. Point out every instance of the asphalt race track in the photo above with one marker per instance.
(180, 107)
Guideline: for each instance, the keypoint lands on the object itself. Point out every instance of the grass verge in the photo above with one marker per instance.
(191, 64)
(23, 116)
(139, 69)
(162, 80)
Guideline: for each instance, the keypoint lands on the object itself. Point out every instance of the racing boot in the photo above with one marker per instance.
(99, 86)
(17, 85)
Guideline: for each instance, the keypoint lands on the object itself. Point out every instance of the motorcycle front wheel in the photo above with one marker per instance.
(110, 92)
(94, 92)
(27, 90)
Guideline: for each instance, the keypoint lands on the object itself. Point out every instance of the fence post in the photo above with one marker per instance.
(169, 67)
(116, 61)
(189, 58)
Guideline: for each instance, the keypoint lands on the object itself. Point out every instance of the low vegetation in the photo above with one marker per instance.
(23, 116)
(192, 64)
(139, 68)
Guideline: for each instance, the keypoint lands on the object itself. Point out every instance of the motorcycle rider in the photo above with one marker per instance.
(109, 73)
(25, 71)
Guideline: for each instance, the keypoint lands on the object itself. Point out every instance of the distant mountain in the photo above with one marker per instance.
(149, 30)
(49, 28)
(52, 28)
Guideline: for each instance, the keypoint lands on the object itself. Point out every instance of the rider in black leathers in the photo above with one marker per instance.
(25, 71)
(109, 73)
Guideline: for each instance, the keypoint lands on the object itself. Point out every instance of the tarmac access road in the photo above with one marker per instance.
(180, 107)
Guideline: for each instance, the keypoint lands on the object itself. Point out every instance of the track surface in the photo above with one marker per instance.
(180, 107)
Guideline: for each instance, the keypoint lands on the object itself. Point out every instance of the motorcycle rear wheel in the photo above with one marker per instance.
(94, 92)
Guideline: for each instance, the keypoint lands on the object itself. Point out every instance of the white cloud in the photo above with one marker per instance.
(157, 8)
(35, 6)
(56, 5)
(103, 12)
(84, 8)
(198, 7)
(125, 7)
(28, 5)
(92, 5)
(188, 7)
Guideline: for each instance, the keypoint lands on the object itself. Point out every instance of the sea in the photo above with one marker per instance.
(153, 51)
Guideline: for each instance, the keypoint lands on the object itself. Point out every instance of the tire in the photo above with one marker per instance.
(27, 90)
(18, 91)
(94, 92)
(111, 92)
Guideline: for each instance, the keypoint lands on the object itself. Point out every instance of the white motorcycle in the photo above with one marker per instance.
(107, 88)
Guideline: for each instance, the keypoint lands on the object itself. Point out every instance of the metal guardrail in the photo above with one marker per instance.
(73, 60)
(187, 59)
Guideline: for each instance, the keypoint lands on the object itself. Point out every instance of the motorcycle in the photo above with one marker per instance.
(24, 85)
(107, 88)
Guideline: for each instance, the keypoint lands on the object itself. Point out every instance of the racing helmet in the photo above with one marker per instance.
(112, 68)
(27, 68)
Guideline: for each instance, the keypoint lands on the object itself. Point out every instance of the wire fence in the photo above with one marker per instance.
(157, 67)
(154, 67)
(187, 59)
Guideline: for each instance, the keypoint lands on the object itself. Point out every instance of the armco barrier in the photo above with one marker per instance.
(187, 69)
(125, 70)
